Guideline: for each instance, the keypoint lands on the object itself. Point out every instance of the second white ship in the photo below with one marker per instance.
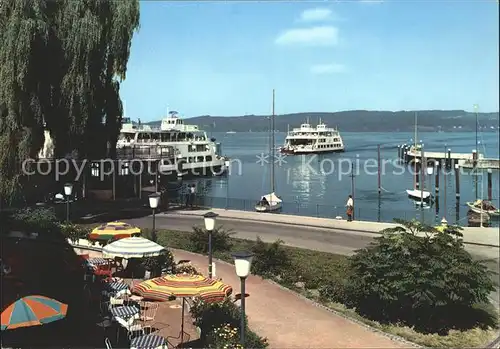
(313, 140)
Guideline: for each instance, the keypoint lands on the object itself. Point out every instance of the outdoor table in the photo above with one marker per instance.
(117, 288)
(98, 261)
(150, 341)
(136, 298)
(124, 311)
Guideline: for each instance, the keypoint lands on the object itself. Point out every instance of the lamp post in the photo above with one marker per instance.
(68, 190)
(430, 172)
(210, 218)
(154, 201)
(242, 264)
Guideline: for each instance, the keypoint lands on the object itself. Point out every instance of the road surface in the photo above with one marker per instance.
(319, 239)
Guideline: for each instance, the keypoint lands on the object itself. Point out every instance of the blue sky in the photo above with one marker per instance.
(224, 58)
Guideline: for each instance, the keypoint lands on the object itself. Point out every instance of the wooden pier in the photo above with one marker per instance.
(449, 159)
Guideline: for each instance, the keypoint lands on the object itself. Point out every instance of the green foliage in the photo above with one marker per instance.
(74, 232)
(221, 240)
(39, 220)
(418, 276)
(60, 67)
(225, 337)
(270, 260)
(212, 316)
(186, 269)
(156, 264)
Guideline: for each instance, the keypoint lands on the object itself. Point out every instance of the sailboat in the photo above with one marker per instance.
(418, 194)
(270, 202)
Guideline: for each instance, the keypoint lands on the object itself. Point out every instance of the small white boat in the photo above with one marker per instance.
(269, 203)
(489, 209)
(419, 194)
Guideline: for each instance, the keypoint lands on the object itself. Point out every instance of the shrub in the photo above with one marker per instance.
(221, 240)
(74, 232)
(225, 337)
(420, 277)
(333, 291)
(186, 269)
(270, 260)
(211, 316)
(40, 220)
(156, 264)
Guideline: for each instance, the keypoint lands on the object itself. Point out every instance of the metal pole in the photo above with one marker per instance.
(378, 162)
(153, 234)
(352, 189)
(482, 187)
(242, 325)
(477, 153)
(209, 254)
(422, 180)
(445, 184)
(272, 147)
(67, 209)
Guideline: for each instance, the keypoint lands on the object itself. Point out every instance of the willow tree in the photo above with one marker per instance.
(61, 64)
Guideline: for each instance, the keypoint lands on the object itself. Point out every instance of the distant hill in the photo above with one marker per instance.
(353, 120)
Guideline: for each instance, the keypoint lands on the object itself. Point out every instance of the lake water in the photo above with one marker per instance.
(319, 185)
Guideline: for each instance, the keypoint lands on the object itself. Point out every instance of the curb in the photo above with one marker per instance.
(313, 226)
(316, 304)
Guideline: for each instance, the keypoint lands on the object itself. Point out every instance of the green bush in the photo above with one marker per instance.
(40, 220)
(74, 232)
(270, 260)
(225, 337)
(420, 277)
(186, 269)
(333, 291)
(212, 316)
(221, 240)
(156, 264)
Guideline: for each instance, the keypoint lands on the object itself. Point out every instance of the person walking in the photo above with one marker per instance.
(192, 194)
(350, 208)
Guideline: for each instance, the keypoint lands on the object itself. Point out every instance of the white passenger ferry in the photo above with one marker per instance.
(312, 140)
(193, 152)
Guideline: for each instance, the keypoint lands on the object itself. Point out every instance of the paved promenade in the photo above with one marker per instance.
(289, 321)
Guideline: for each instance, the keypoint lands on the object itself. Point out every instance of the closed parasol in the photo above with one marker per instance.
(114, 230)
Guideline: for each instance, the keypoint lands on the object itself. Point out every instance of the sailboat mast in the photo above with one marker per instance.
(415, 152)
(272, 147)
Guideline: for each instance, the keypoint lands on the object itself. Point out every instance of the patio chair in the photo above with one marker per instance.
(107, 305)
(149, 313)
(132, 327)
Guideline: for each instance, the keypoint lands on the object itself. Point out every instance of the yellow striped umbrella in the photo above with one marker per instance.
(114, 230)
(183, 285)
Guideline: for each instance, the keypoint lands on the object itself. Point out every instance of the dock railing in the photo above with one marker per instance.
(382, 214)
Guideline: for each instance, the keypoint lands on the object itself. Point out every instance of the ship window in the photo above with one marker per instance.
(190, 159)
(199, 159)
(94, 169)
(209, 158)
(155, 136)
(165, 137)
